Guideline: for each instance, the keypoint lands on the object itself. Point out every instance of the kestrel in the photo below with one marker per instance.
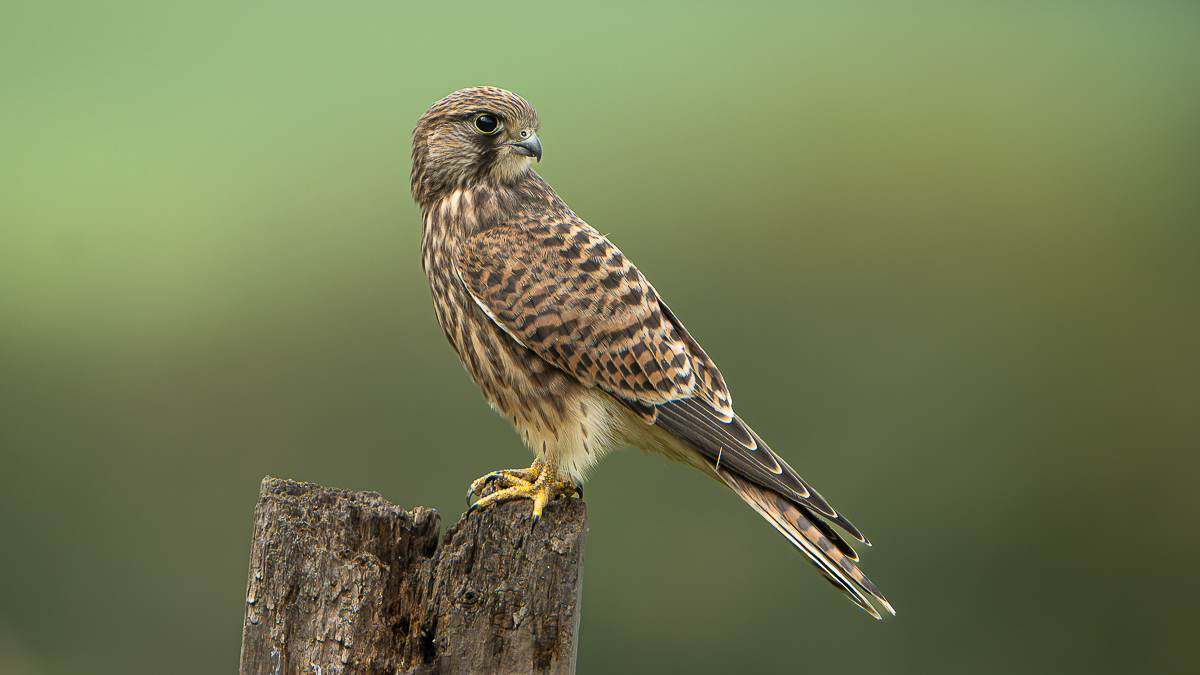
(567, 339)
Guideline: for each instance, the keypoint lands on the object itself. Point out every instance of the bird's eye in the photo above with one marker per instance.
(488, 124)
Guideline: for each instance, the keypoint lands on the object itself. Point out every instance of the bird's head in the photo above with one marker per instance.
(472, 135)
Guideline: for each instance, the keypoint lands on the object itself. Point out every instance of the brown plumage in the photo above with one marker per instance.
(567, 339)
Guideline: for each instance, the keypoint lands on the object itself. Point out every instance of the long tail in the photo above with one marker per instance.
(807, 532)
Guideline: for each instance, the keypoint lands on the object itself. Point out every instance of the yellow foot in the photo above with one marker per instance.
(539, 483)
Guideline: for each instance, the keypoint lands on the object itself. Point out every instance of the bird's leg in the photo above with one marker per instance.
(540, 482)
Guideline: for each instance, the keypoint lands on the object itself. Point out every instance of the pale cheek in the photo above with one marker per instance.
(509, 166)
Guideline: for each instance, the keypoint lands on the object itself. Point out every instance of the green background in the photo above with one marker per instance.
(947, 256)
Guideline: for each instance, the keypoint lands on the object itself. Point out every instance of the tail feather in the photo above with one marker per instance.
(833, 536)
(808, 533)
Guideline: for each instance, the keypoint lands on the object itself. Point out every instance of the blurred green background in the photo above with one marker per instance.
(946, 254)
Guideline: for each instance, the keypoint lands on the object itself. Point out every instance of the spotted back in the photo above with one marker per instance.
(560, 288)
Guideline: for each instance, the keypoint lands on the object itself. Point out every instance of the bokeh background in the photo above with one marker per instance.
(947, 255)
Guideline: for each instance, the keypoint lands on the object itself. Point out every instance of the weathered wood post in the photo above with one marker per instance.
(343, 582)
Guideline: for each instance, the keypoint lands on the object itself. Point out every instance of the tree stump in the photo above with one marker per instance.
(343, 582)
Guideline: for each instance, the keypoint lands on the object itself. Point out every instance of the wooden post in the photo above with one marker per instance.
(345, 583)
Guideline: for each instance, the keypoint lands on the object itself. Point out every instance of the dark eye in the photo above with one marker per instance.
(488, 124)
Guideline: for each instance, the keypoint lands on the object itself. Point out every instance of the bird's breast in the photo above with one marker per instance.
(533, 394)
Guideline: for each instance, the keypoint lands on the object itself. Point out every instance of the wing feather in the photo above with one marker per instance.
(564, 291)
(723, 442)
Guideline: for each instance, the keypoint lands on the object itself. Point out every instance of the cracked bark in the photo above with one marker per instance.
(344, 582)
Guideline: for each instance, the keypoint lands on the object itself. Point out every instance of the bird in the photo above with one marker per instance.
(566, 338)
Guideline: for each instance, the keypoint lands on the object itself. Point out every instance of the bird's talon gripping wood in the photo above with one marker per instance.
(504, 478)
(538, 483)
(569, 342)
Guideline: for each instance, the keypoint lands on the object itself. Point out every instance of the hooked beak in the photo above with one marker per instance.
(530, 147)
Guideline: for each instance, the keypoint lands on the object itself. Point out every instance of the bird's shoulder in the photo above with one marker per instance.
(563, 290)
